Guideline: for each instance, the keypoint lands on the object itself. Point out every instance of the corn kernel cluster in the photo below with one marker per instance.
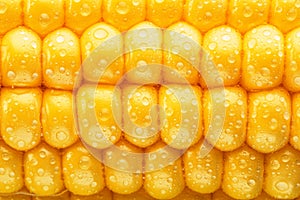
(253, 44)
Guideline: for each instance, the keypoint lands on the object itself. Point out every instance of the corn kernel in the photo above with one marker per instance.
(263, 62)
(203, 174)
(282, 178)
(42, 170)
(285, 14)
(245, 15)
(163, 182)
(61, 59)
(99, 116)
(124, 14)
(10, 15)
(21, 60)
(105, 194)
(140, 117)
(11, 170)
(83, 174)
(233, 133)
(139, 195)
(164, 13)
(220, 195)
(243, 173)
(182, 49)
(291, 78)
(79, 15)
(118, 174)
(182, 116)
(205, 15)
(295, 133)
(43, 16)
(58, 118)
(20, 117)
(223, 46)
(188, 194)
(143, 54)
(268, 120)
(101, 51)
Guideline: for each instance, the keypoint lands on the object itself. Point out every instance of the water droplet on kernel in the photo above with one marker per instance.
(282, 186)
(85, 10)
(11, 75)
(44, 19)
(122, 8)
(100, 33)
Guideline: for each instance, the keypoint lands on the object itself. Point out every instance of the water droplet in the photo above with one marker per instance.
(159, 1)
(44, 19)
(84, 162)
(187, 46)
(143, 33)
(247, 11)
(291, 14)
(252, 43)
(12, 174)
(85, 10)
(42, 154)
(282, 186)
(62, 69)
(212, 46)
(34, 44)
(11, 75)
(208, 15)
(285, 158)
(275, 164)
(145, 101)
(62, 52)
(273, 124)
(21, 143)
(60, 39)
(122, 8)
(3, 7)
(61, 135)
(41, 171)
(297, 3)
(100, 33)
(267, 33)
(251, 182)
(45, 187)
(265, 71)
(226, 37)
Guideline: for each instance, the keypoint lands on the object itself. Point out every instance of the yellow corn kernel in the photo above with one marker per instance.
(63, 196)
(124, 14)
(220, 195)
(164, 13)
(291, 78)
(282, 178)
(61, 59)
(123, 172)
(268, 120)
(58, 118)
(143, 54)
(234, 103)
(181, 115)
(243, 173)
(42, 170)
(140, 117)
(20, 117)
(79, 15)
(203, 174)
(188, 194)
(83, 174)
(222, 63)
(21, 60)
(182, 49)
(295, 133)
(264, 196)
(11, 170)
(163, 182)
(43, 16)
(245, 15)
(285, 14)
(205, 15)
(105, 194)
(263, 61)
(101, 52)
(99, 116)
(139, 195)
(10, 15)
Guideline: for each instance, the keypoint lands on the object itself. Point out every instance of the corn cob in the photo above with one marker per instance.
(254, 45)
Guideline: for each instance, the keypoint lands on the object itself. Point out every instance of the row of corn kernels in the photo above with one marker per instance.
(269, 59)
(45, 16)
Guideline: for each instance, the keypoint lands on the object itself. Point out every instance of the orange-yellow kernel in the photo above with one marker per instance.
(79, 15)
(243, 173)
(247, 14)
(291, 77)
(143, 54)
(285, 14)
(139, 195)
(268, 120)
(205, 15)
(222, 47)
(182, 50)
(102, 64)
(203, 173)
(164, 13)
(42, 170)
(98, 111)
(105, 194)
(43, 16)
(20, 117)
(263, 61)
(232, 105)
(123, 173)
(21, 58)
(82, 172)
(10, 15)
(181, 115)
(61, 59)
(220, 195)
(124, 14)
(11, 169)
(58, 118)
(282, 178)
(295, 126)
(188, 194)
(140, 116)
